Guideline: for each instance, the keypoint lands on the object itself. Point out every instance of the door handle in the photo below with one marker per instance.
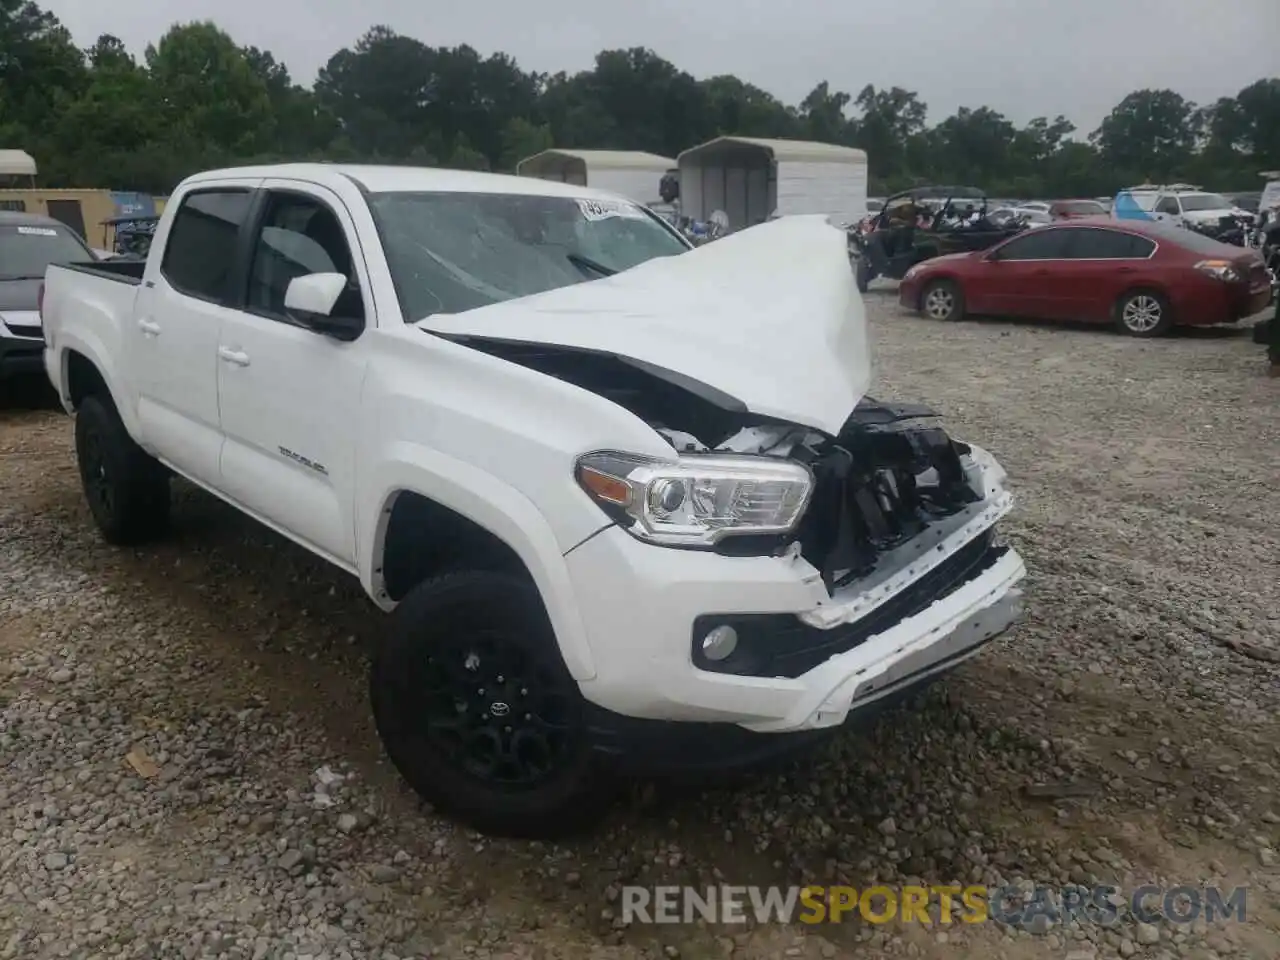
(1124, 269)
(237, 357)
(149, 327)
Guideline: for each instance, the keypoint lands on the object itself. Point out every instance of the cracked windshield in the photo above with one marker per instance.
(450, 252)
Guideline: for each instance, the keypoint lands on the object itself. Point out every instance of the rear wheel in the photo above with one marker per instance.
(942, 300)
(127, 490)
(478, 712)
(1143, 313)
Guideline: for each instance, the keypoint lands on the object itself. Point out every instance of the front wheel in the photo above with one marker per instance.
(942, 300)
(1143, 313)
(478, 712)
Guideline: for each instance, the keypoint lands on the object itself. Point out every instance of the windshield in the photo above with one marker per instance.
(450, 252)
(1204, 201)
(27, 249)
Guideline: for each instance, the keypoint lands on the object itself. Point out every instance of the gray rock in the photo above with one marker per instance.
(1147, 933)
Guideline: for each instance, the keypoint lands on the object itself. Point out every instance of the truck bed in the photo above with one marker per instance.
(99, 296)
(122, 271)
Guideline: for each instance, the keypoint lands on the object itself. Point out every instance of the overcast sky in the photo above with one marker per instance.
(1025, 58)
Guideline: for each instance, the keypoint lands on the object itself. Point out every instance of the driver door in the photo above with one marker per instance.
(290, 396)
(1016, 279)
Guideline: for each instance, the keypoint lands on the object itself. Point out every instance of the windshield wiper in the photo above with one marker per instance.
(578, 260)
(21, 276)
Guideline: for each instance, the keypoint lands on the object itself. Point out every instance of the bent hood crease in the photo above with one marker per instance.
(770, 316)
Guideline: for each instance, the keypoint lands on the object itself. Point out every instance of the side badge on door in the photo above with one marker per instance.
(299, 458)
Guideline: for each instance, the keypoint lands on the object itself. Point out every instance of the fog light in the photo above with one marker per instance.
(719, 642)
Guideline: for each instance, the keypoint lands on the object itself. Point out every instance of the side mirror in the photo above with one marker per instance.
(993, 256)
(310, 300)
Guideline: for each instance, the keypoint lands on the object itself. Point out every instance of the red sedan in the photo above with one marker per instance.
(1144, 277)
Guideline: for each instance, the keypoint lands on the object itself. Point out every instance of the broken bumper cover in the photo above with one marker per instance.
(643, 605)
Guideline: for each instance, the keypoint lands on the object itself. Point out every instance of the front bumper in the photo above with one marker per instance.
(20, 356)
(640, 604)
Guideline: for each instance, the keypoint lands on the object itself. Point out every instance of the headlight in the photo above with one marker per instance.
(699, 499)
(1219, 269)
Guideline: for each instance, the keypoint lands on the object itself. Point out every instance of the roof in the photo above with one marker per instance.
(377, 179)
(606, 159)
(795, 151)
(17, 162)
(1155, 229)
(16, 218)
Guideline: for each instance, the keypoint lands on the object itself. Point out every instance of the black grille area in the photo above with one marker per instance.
(880, 484)
(781, 645)
(25, 330)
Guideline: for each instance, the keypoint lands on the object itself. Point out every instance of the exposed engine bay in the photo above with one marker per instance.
(883, 480)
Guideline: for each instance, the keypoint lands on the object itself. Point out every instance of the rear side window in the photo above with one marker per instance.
(1168, 205)
(1039, 244)
(1108, 245)
(202, 242)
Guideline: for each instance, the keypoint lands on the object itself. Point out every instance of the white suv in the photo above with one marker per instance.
(1180, 203)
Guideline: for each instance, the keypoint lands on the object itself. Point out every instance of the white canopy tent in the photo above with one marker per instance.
(751, 179)
(630, 173)
(17, 163)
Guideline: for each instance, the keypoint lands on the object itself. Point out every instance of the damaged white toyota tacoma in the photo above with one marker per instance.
(627, 503)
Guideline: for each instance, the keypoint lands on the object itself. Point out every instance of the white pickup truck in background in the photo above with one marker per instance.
(628, 504)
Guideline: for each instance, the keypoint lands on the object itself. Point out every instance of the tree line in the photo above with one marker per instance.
(197, 99)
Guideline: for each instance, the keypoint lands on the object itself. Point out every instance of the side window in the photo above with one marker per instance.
(1168, 205)
(300, 235)
(1041, 243)
(1097, 244)
(1140, 247)
(202, 242)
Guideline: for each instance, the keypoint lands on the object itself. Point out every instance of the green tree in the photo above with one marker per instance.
(1150, 134)
(822, 115)
(890, 121)
(98, 117)
(522, 138)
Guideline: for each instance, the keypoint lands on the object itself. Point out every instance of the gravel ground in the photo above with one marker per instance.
(188, 768)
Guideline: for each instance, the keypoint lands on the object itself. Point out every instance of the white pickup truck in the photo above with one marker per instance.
(628, 503)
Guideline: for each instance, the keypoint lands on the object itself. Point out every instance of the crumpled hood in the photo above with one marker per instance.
(770, 316)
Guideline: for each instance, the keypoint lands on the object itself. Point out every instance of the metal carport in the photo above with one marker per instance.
(751, 178)
(631, 173)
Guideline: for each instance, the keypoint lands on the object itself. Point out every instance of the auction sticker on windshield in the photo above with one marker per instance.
(606, 209)
(38, 231)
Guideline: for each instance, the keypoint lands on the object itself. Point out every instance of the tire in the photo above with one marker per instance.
(457, 643)
(126, 489)
(942, 300)
(862, 274)
(1144, 313)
